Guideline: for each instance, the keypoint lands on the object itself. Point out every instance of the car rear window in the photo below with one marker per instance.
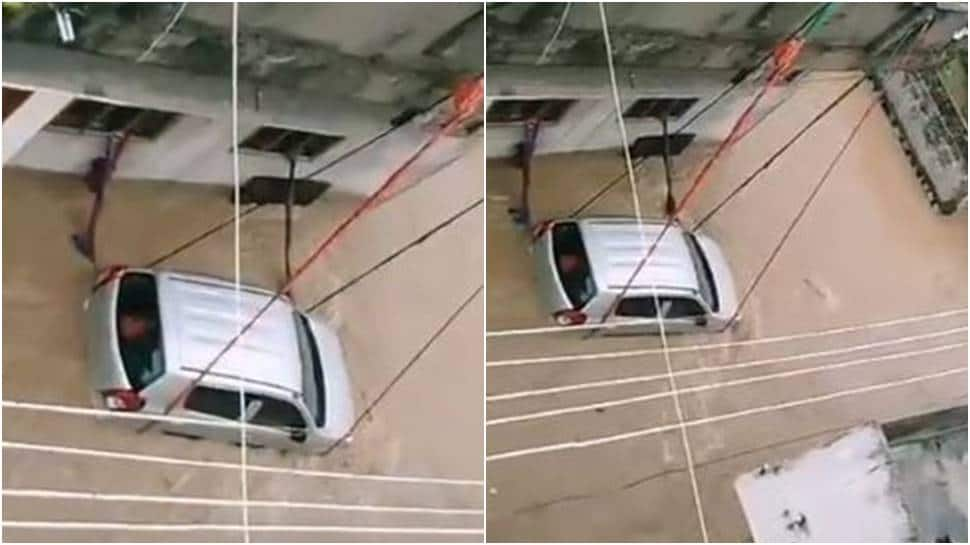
(223, 403)
(139, 330)
(572, 263)
(645, 307)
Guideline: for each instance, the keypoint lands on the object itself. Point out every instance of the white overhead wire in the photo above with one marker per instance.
(163, 35)
(124, 415)
(205, 527)
(221, 502)
(719, 384)
(232, 466)
(631, 323)
(730, 344)
(555, 35)
(237, 274)
(631, 175)
(729, 367)
(580, 444)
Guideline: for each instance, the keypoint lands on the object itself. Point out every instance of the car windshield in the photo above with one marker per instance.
(572, 264)
(705, 277)
(313, 392)
(139, 330)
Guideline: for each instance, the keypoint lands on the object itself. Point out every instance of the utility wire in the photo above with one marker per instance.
(467, 106)
(603, 440)
(640, 379)
(779, 152)
(231, 466)
(199, 238)
(909, 39)
(168, 28)
(404, 370)
(737, 80)
(394, 255)
(396, 124)
(555, 35)
(801, 211)
(237, 275)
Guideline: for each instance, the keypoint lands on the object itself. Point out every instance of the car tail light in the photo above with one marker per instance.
(123, 400)
(569, 317)
(108, 274)
(540, 229)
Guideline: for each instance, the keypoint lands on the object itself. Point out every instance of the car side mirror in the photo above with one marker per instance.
(700, 321)
(298, 435)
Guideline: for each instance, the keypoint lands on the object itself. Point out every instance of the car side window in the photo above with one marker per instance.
(672, 307)
(276, 413)
(272, 412)
(214, 401)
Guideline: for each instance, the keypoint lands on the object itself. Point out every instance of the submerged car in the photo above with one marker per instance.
(583, 265)
(151, 334)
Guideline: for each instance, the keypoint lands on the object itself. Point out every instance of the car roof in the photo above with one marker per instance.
(615, 247)
(199, 318)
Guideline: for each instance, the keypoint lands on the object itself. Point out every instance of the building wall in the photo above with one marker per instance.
(590, 123)
(197, 147)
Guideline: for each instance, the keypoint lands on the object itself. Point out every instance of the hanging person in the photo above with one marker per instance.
(96, 179)
(522, 215)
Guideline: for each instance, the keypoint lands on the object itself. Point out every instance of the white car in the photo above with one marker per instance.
(582, 266)
(151, 333)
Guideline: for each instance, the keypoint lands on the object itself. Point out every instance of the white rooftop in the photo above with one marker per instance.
(844, 491)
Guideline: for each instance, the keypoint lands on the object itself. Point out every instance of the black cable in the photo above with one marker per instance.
(396, 123)
(735, 82)
(907, 41)
(404, 370)
(670, 206)
(778, 153)
(801, 213)
(288, 219)
(199, 238)
(394, 255)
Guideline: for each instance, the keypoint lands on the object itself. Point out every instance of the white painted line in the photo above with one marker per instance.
(731, 367)
(716, 385)
(202, 527)
(108, 454)
(571, 445)
(220, 502)
(733, 344)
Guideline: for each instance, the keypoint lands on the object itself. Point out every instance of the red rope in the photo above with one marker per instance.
(467, 101)
(784, 57)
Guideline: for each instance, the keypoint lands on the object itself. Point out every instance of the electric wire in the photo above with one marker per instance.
(580, 444)
(395, 254)
(404, 370)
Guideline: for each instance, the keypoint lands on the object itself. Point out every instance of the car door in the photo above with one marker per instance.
(276, 422)
(219, 406)
(680, 314)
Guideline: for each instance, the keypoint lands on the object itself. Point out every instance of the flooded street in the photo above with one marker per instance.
(424, 428)
(869, 251)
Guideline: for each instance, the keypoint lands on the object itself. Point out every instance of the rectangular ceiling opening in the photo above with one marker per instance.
(290, 142)
(653, 146)
(515, 111)
(100, 117)
(12, 99)
(658, 108)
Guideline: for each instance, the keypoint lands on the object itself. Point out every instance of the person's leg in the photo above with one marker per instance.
(84, 241)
